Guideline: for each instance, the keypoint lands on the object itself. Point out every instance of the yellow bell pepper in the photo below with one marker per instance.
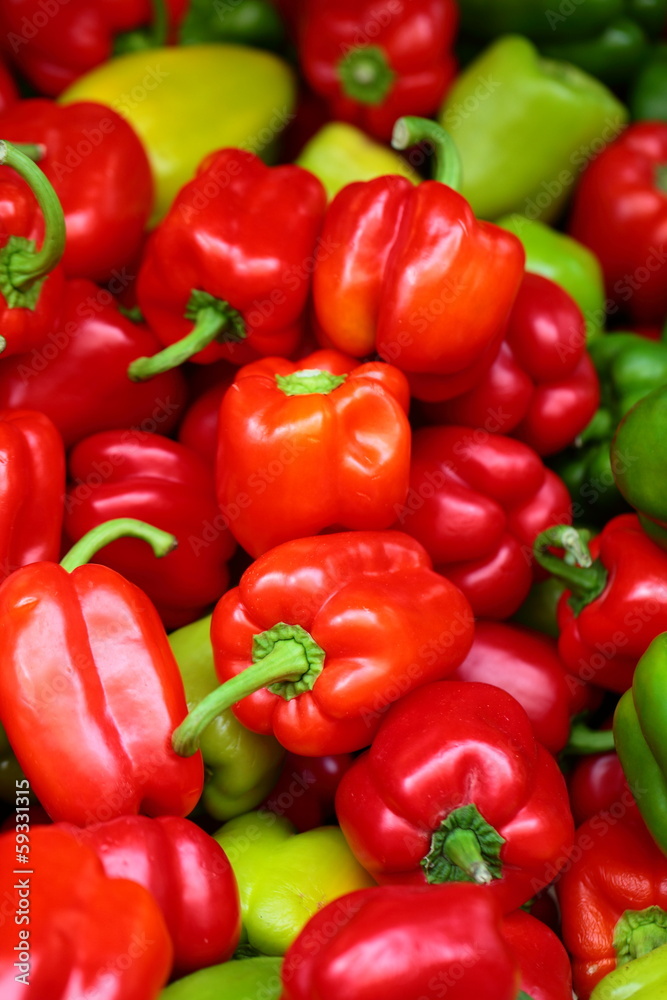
(184, 103)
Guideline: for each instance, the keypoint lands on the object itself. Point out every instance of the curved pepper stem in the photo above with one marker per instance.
(120, 527)
(286, 660)
(214, 319)
(22, 267)
(410, 130)
(583, 577)
(153, 37)
(584, 740)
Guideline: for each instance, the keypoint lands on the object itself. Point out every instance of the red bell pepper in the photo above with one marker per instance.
(32, 458)
(454, 788)
(410, 274)
(620, 212)
(90, 690)
(526, 665)
(78, 378)
(544, 963)
(283, 422)
(613, 897)
(597, 784)
(100, 172)
(323, 634)
(616, 603)
(400, 943)
(54, 44)
(149, 477)
(374, 62)
(9, 94)
(234, 256)
(543, 387)
(70, 931)
(477, 502)
(305, 791)
(199, 428)
(31, 282)
(186, 872)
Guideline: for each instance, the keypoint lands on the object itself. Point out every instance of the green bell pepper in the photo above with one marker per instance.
(340, 154)
(285, 877)
(186, 102)
(648, 97)
(639, 460)
(246, 22)
(538, 611)
(640, 736)
(557, 21)
(614, 56)
(630, 367)
(241, 767)
(251, 979)
(644, 978)
(525, 127)
(564, 260)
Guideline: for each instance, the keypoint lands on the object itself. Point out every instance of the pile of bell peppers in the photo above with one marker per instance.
(333, 531)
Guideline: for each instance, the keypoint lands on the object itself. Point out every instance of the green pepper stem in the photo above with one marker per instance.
(587, 579)
(462, 849)
(308, 381)
(24, 265)
(411, 130)
(286, 660)
(584, 740)
(214, 319)
(120, 527)
(34, 151)
(365, 74)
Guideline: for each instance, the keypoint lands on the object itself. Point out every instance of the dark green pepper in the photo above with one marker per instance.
(630, 367)
(251, 979)
(648, 97)
(246, 22)
(614, 56)
(639, 461)
(241, 767)
(557, 21)
(10, 770)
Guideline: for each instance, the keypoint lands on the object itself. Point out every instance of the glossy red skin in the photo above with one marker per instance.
(9, 94)
(370, 599)
(526, 665)
(81, 925)
(53, 51)
(272, 448)
(186, 872)
(147, 476)
(543, 387)
(32, 459)
(620, 212)
(199, 429)
(413, 276)
(616, 866)
(371, 944)
(25, 328)
(544, 963)
(79, 378)
(604, 642)
(100, 171)
(416, 38)
(476, 502)
(90, 694)
(251, 243)
(445, 746)
(598, 784)
(305, 791)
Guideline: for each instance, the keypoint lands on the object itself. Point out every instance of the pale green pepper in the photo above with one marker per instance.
(241, 767)
(644, 978)
(186, 102)
(285, 877)
(252, 979)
